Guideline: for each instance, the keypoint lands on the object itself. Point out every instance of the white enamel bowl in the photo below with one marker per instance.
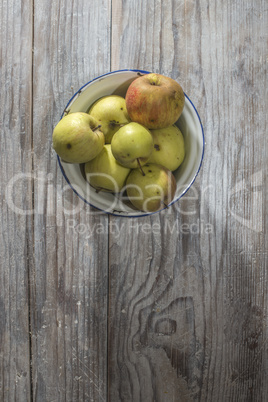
(189, 123)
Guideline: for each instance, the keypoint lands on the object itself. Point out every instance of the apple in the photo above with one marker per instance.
(110, 111)
(155, 101)
(153, 191)
(77, 138)
(168, 147)
(105, 173)
(132, 145)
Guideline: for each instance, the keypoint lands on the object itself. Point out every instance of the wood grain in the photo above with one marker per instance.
(16, 228)
(69, 279)
(188, 287)
(171, 307)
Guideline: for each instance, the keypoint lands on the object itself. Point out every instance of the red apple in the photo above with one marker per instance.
(155, 101)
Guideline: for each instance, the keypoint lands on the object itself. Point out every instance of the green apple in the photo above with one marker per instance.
(105, 173)
(110, 111)
(155, 101)
(77, 138)
(153, 191)
(168, 147)
(132, 145)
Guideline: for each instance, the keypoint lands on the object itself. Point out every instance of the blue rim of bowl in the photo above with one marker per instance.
(148, 213)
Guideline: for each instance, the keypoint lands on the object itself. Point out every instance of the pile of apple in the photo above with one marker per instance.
(129, 144)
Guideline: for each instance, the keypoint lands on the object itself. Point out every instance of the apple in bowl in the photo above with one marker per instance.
(77, 138)
(155, 101)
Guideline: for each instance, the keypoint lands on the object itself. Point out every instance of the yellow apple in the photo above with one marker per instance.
(105, 173)
(152, 191)
(111, 113)
(77, 138)
(132, 145)
(168, 147)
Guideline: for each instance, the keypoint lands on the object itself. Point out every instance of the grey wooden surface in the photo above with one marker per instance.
(171, 307)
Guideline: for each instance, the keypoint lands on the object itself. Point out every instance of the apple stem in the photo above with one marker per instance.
(96, 128)
(114, 124)
(140, 167)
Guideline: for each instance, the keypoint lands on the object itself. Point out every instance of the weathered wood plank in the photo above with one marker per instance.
(69, 282)
(16, 198)
(237, 204)
(156, 329)
(188, 287)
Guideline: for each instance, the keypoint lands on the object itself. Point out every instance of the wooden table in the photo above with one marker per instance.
(171, 307)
